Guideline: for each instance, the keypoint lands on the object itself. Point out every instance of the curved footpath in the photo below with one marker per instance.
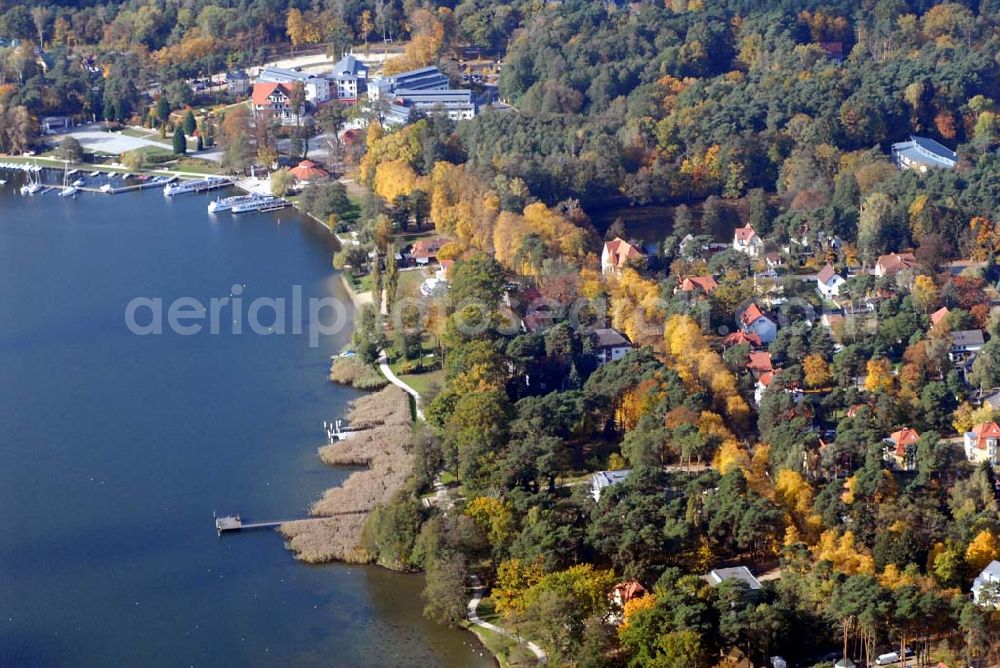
(477, 596)
(477, 586)
(383, 365)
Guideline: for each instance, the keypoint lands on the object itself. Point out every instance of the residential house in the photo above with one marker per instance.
(740, 337)
(900, 448)
(617, 254)
(742, 574)
(774, 260)
(828, 282)
(425, 250)
(271, 100)
(705, 285)
(317, 89)
(348, 79)
(753, 320)
(610, 345)
(601, 480)
(237, 83)
(765, 380)
(746, 240)
(965, 343)
(620, 594)
(981, 443)
(893, 263)
(923, 153)
(986, 586)
(939, 315)
(759, 362)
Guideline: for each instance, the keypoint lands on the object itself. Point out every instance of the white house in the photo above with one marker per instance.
(746, 240)
(604, 479)
(610, 345)
(965, 343)
(982, 442)
(753, 321)
(828, 282)
(986, 586)
(616, 254)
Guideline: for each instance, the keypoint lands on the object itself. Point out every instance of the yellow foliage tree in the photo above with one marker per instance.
(816, 371)
(841, 550)
(633, 606)
(514, 577)
(494, 517)
(395, 178)
(982, 550)
(924, 293)
(879, 378)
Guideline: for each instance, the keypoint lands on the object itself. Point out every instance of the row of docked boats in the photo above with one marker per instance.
(247, 203)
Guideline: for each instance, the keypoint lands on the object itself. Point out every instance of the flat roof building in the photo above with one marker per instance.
(923, 153)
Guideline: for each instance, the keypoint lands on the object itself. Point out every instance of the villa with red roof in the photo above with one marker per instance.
(746, 240)
(981, 443)
(739, 338)
(271, 99)
(898, 444)
(616, 255)
(704, 284)
(893, 263)
(754, 321)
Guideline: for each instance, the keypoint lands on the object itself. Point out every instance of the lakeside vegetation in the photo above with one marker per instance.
(766, 454)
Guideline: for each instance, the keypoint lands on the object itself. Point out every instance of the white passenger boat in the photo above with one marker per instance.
(264, 203)
(227, 203)
(195, 186)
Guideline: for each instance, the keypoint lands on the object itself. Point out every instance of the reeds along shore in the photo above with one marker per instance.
(384, 423)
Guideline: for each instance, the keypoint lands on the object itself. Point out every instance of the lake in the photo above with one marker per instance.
(116, 449)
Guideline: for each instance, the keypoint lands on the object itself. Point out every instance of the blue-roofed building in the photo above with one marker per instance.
(424, 79)
(348, 79)
(604, 479)
(922, 153)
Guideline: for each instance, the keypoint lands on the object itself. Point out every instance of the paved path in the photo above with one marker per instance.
(477, 596)
(394, 379)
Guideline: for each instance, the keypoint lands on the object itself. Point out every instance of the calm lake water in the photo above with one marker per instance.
(115, 450)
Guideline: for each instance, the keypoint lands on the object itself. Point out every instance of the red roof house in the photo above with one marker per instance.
(616, 254)
(705, 284)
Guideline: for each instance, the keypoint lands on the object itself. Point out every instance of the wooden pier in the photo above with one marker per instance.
(229, 523)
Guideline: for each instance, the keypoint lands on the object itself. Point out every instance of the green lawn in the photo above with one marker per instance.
(422, 382)
(409, 283)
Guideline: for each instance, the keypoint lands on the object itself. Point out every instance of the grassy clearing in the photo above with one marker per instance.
(425, 383)
(409, 283)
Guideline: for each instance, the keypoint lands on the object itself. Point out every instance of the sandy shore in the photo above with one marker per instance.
(384, 423)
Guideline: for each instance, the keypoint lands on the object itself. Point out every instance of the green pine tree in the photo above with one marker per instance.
(190, 124)
(180, 141)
